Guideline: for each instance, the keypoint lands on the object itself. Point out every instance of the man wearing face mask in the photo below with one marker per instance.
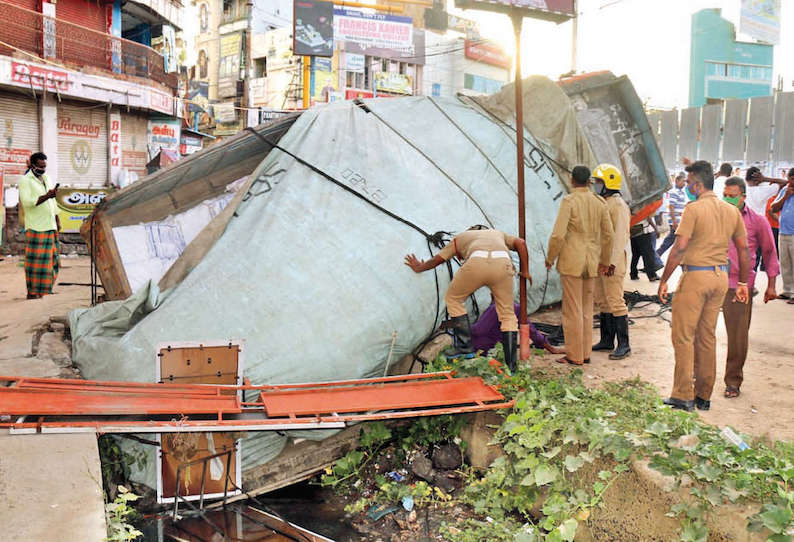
(613, 313)
(701, 248)
(737, 315)
(37, 197)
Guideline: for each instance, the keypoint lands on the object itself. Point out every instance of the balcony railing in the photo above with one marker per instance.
(74, 45)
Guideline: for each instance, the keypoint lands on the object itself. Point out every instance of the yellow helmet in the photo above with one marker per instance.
(611, 176)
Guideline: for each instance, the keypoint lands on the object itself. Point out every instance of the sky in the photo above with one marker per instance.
(648, 40)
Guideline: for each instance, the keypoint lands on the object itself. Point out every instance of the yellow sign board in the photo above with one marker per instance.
(77, 204)
(396, 83)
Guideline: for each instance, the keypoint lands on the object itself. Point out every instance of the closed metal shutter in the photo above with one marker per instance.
(134, 150)
(19, 134)
(82, 145)
(88, 14)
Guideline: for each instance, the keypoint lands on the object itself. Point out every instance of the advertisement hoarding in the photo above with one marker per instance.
(415, 54)
(557, 11)
(75, 205)
(163, 134)
(373, 29)
(396, 83)
(760, 19)
(314, 28)
(487, 52)
(229, 65)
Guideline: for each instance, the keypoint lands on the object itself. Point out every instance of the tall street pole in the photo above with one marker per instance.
(523, 326)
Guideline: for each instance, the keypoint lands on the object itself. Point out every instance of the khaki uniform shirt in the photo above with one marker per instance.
(582, 234)
(464, 244)
(620, 215)
(710, 224)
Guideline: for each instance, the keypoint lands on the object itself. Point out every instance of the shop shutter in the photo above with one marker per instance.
(89, 14)
(82, 145)
(134, 151)
(19, 134)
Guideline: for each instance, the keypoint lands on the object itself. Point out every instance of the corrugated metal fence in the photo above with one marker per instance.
(752, 131)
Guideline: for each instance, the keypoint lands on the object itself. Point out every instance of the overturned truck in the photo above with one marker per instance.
(291, 235)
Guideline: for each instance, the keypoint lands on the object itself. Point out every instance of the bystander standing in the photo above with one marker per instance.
(784, 204)
(677, 199)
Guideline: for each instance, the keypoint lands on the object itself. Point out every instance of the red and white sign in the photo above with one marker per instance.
(488, 53)
(68, 128)
(40, 78)
(115, 145)
(352, 94)
(159, 101)
(14, 161)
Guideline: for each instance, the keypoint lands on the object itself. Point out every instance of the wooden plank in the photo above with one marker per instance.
(106, 256)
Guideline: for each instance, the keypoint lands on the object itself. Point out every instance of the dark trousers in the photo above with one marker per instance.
(737, 318)
(642, 246)
(667, 242)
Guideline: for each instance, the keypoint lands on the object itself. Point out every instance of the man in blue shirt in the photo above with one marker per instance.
(677, 198)
(784, 204)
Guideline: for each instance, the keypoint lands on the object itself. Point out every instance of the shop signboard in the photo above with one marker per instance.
(76, 204)
(323, 64)
(353, 93)
(229, 65)
(14, 161)
(314, 28)
(188, 144)
(163, 134)
(354, 62)
(267, 115)
(487, 52)
(396, 83)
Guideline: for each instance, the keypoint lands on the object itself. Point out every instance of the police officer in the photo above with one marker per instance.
(703, 237)
(581, 243)
(613, 313)
(487, 263)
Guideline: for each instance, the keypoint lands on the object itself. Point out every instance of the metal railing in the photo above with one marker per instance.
(74, 45)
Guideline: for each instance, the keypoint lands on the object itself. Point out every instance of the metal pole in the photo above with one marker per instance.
(523, 326)
(575, 38)
(307, 61)
(249, 63)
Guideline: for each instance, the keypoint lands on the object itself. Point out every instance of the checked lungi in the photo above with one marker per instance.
(41, 261)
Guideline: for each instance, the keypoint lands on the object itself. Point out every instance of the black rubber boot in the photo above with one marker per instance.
(461, 328)
(622, 331)
(509, 343)
(607, 341)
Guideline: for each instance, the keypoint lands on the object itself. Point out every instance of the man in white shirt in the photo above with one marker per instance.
(760, 189)
(726, 170)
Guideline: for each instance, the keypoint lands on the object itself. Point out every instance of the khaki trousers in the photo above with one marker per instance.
(609, 295)
(495, 273)
(696, 306)
(737, 325)
(577, 316)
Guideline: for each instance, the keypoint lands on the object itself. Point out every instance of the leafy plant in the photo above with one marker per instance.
(118, 513)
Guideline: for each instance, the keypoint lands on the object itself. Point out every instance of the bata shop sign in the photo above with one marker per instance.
(40, 78)
(488, 53)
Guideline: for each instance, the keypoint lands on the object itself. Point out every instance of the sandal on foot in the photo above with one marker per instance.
(731, 392)
(566, 360)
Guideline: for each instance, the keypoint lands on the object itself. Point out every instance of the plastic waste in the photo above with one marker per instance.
(729, 435)
(376, 512)
(408, 503)
(396, 476)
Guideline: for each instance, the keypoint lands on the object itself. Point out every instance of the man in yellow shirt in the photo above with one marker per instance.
(37, 197)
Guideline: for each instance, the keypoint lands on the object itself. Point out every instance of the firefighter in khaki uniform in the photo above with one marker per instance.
(487, 263)
(613, 313)
(582, 240)
(701, 244)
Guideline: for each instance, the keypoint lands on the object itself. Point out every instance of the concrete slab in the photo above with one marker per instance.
(51, 488)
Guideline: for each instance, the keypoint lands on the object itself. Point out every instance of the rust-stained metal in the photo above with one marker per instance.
(87, 406)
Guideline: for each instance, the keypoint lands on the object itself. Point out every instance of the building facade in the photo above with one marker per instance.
(723, 68)
(71, 86)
